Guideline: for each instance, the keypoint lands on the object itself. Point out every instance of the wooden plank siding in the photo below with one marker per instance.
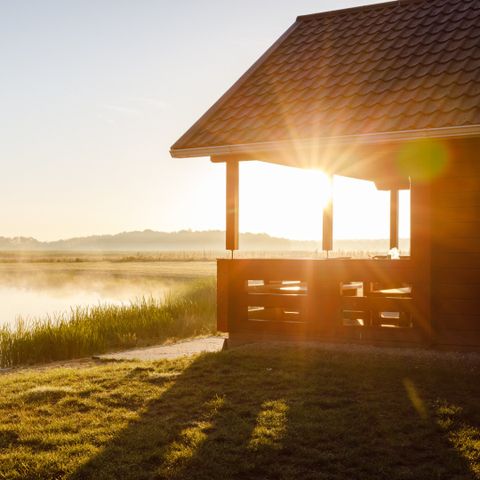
(456, 247)
(421, 254)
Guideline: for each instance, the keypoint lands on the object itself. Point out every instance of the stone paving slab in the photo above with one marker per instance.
(174, 350)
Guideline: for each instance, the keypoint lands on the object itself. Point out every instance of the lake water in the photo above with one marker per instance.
(32, 292)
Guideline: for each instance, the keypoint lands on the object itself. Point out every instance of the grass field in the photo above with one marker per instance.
(118, 257)
(68, 257)
(91, 330)
(249, 413)
(44, 271)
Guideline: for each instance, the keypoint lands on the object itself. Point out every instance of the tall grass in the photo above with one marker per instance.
(366, 249)
(92, 330)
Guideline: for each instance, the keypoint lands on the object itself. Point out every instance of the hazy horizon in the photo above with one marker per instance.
(97, 92)
(191, 231)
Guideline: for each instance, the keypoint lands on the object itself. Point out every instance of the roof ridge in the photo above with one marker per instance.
(360, 8)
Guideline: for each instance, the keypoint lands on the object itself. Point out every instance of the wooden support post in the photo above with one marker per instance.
(327, 226)
(223, 294)
(232, 205)
(394, 219)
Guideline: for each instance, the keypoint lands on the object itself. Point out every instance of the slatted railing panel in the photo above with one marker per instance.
(311, 296)
(270, 296)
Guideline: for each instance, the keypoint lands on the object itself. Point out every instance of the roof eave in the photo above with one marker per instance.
(363, 139)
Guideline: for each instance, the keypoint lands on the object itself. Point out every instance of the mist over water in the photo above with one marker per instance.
(33, 293)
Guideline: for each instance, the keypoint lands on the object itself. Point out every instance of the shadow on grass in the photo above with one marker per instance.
(248, 414)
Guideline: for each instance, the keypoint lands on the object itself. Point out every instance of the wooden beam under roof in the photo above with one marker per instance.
(375, 163)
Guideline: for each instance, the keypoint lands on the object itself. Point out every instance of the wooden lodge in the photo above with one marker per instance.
(388, 93)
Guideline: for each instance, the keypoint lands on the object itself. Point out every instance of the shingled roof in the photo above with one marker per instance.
(403, 66)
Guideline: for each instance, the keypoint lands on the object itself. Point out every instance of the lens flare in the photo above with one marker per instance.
(423, 160)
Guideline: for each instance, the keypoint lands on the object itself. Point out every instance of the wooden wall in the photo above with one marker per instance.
(455, 226)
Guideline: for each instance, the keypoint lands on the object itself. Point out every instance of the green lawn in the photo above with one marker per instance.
(248, 413)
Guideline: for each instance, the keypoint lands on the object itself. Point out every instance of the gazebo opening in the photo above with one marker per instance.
(288, 203)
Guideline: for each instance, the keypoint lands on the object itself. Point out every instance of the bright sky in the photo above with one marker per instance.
(95, 92)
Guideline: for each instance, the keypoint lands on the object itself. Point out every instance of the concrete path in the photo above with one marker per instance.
(175, 350)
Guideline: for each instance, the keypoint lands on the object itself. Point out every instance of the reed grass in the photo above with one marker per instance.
(58, 257)
(92, 330)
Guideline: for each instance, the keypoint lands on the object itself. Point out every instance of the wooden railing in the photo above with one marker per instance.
(317, 298)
